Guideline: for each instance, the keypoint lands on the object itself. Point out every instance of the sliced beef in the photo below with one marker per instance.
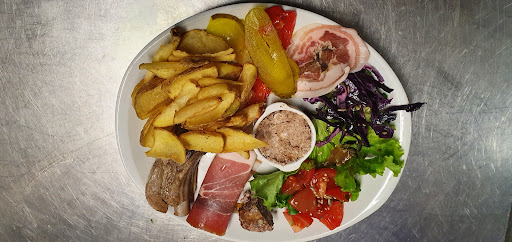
(253, 215)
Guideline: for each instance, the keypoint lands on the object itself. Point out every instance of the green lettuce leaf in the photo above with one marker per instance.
(268, 187)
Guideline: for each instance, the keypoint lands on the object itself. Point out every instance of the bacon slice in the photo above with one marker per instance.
(325, 55)
(220, 191)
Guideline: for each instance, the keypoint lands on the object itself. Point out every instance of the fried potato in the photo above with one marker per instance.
(213, 91)
(148, 97)
(212, 126)
(233, 108)
(197, 42)
(182, 54)
(228, 71)
(166, 117)
(192, 100)
(203, 141)
(167, 145)
(173, 86)
(236, 121)
(164, 51)
(250, 113)
(147, 133)
(214, 114)
(247, 78)
(236, 140)
(149, 75)
(205, 82)
(244, 154)
(196, 109)
(169, 70)
(136, 89)
(196, 58)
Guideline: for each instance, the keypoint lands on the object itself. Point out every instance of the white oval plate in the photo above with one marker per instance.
(374, 191)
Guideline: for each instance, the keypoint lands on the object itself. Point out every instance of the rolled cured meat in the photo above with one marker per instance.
(325, 55)
(219, 193)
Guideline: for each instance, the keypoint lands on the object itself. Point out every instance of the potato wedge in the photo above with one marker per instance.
(136, 89)
(173, 86)
(228, 71)
(206, 127)
(197, 58)
(236, 140)
(164, 51)
(214, 114)
(148, 97)
(198, 42)
(233, 108)
(247, 78)
(250, 113)
(196, 109)
(205, 82)
(158, 108)
(147, 133)
(169, 70)
(203, 141)
(182, 54)
(244, 154)
(213, 91)
(167, 145)
(236, 121)
(166, 117)
(192, 100)
(149, 75)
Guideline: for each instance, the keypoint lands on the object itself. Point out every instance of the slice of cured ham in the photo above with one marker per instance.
(325, 55)
(220, 191)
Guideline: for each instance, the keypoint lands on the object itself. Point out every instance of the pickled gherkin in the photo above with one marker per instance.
(268, 55)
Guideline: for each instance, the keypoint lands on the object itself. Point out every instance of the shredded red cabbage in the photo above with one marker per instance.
(360, 101)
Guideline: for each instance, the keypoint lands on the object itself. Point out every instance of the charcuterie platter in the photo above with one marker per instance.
(261, 122)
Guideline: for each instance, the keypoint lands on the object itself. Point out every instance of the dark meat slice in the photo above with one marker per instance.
(178, 184)
(254, 216)
(154, 185)
(173, 184)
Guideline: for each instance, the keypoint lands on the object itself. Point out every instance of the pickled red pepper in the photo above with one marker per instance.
(284, 22)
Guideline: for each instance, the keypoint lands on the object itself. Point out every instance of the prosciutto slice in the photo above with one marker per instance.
(325, 55)
(220, 191)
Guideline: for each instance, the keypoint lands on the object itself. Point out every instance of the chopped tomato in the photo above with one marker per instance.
(321, 205)
(338, 194)
(304, 201)
(305, 176)
(333, 215)
(284, 23)
(298, 221)
(260, 92)
(291, 185)
(323, 179)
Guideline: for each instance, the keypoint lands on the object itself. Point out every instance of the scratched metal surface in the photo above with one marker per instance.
(61, 63)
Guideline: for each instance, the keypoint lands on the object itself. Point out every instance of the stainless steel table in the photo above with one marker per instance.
(61, 63)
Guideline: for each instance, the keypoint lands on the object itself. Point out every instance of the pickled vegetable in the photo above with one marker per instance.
(230, 30)
(268, 55)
